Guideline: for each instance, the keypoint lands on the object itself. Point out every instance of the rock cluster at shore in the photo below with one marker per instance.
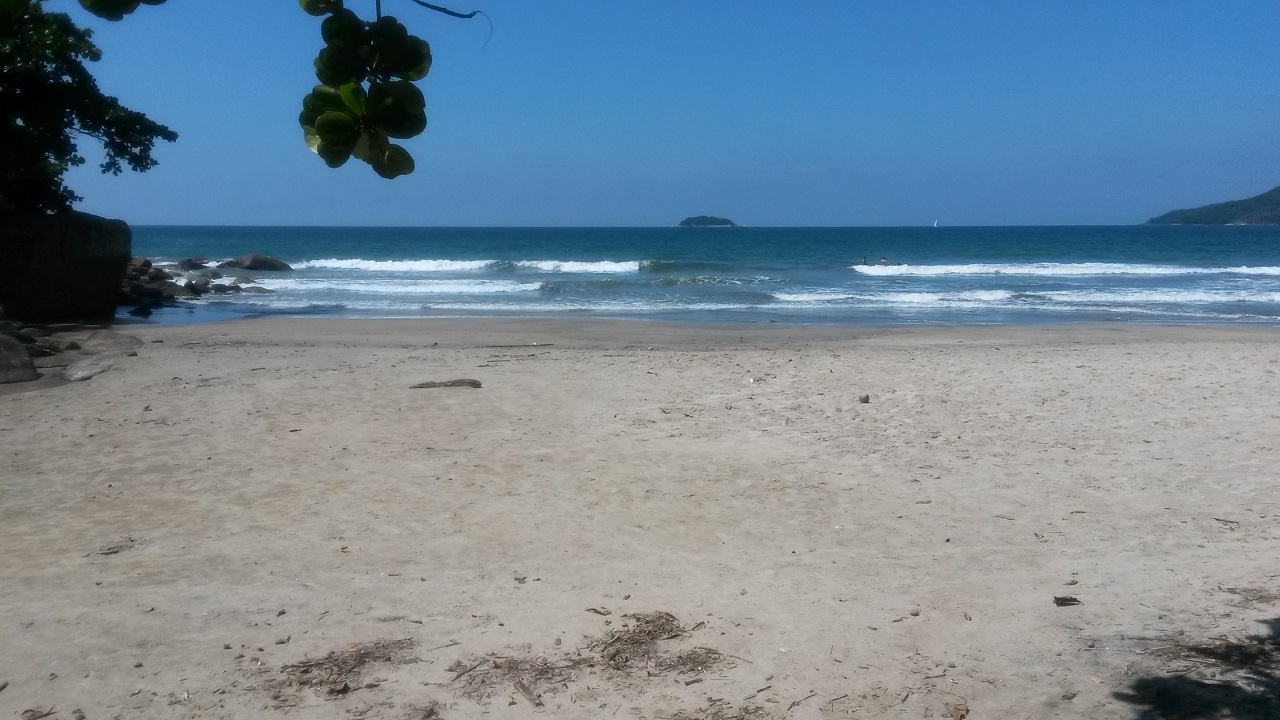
(24, 349)
(146, 285)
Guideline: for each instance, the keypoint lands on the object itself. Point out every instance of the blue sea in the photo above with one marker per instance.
(961, 275)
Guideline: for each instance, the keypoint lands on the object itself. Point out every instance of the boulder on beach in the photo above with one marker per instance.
(15, 362)
(109, 341)
(87, 368)
(254, 261)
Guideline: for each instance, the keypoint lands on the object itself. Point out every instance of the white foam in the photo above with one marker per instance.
(570, 266)
(1056, 269)
(1156, 297)
(395, 265)
(401, 287)
(813, 297)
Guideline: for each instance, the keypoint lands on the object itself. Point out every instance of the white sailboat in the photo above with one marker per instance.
(935, 223)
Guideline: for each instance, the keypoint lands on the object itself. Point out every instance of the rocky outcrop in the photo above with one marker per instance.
(107, 342)
(146, 287)
(62, 268)
(25, 348)
(15, 362)
(254, 261)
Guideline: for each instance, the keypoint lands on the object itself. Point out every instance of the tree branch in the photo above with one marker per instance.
(447, 11)
(464, 16)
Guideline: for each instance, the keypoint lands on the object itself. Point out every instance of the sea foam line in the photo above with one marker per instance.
(401, 287)
(424, 266)
(1056, 269)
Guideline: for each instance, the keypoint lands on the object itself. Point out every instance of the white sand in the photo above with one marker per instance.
(872, 560)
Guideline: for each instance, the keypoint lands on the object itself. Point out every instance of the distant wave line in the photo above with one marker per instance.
(440, 265)
(1057, 269)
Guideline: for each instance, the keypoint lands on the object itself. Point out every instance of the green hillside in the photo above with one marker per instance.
(1261, 210)
(707, 221)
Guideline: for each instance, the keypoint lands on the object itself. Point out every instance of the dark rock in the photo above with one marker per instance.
(13, 330)
(191, 264)
(15, 363)
(146, 290)
(156, 274)
(144, 263)
(52, 361)
(256, 290)
(109, 341)
(211, 274)
(34, 333)
(219, 288)
(141, 311)
(244, 281)
(174, 291)
(46, 343)
(66, 267)
(254, 261)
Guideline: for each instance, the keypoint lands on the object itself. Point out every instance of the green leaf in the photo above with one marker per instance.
(415, 63)
(110, 9)
(397, 108)
(373, 143)
(387, 30)
(354, 98)
(312, 139)
(338, 129)
(395, 162)
(319, 7)
(343, 26)
(321, 100)
(338, 64)
(334, 157)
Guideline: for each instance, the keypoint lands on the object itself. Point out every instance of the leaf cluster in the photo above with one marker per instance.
(48, 98)
(366, 96)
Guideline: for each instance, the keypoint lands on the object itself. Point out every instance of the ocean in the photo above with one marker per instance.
(960, 275)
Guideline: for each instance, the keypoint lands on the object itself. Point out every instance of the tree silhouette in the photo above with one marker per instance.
(366, 97)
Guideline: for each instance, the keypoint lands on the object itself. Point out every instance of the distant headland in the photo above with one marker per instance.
(707, 221)
(1263, 209)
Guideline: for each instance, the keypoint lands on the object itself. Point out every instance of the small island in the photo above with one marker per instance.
(1263, 209)
(707, 221)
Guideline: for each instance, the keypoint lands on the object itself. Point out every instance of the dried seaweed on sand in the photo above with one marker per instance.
(531, 676)
(634, 645)
(338, 672)
(720, 710)
(694, 662)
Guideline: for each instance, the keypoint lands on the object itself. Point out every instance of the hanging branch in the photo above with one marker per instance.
(464, 16)
(447, 11)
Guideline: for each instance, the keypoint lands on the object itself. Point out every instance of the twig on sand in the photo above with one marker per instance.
(473, 667)
(793, 705)
(528, 693)
(452, 643)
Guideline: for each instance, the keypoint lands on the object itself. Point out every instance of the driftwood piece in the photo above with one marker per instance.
(464, 382)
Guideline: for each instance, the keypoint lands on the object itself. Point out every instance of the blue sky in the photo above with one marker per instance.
(785, 113)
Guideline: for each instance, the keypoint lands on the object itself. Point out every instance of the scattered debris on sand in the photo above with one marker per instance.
(338, 673)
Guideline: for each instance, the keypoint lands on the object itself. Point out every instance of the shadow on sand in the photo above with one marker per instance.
(1246, 685)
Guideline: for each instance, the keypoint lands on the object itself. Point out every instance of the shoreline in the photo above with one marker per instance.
(248, 496)
(633, 330)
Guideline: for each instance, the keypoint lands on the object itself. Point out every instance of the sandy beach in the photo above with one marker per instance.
(264, 518)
